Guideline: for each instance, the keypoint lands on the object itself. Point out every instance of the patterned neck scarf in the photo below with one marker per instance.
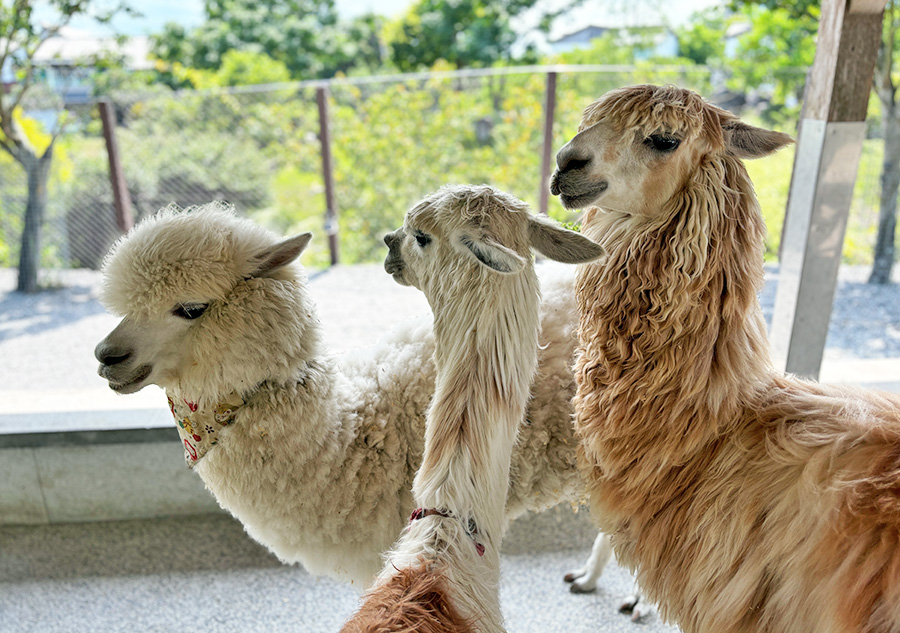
(199, 428)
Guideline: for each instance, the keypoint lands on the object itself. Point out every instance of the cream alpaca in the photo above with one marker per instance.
(746, 500)
(318, 462)
(468, 249)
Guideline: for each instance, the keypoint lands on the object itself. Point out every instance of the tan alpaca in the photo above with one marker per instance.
(745, 499)
(468, 249)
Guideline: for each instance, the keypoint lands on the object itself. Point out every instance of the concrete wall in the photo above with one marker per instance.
(91, 476)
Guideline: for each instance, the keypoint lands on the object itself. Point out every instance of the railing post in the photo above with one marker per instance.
(331, 225)
(121, 197)
(547, 158)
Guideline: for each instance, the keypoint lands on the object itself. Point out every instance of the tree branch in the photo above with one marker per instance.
(8, 149)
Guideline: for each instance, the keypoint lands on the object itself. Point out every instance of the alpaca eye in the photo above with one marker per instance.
(189, 311)
(662, 143)
(422, 239)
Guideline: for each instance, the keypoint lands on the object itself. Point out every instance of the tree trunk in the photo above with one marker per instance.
(890, 183)
(37, 171)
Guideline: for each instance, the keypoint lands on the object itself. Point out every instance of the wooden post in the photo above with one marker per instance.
(331, 224)
(829, 145)
(547, 158)
(121, 197)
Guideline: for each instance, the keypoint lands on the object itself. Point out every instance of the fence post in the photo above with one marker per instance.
(331, 225)
(547, 158)
(121, 197)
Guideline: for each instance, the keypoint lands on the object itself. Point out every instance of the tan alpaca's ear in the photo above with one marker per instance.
(281, 254)
(746, 141)
(561, 244)
(491, 254)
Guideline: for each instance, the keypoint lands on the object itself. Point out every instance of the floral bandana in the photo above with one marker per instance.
(199, 429)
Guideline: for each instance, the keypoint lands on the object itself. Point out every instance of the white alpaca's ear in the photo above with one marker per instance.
(746, 141)
(561, 244)
(491, 254)
(280, 254)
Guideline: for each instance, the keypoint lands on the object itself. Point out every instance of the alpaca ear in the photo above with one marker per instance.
(561, 244)
(491, 254)
(746, 141)
(281, 254)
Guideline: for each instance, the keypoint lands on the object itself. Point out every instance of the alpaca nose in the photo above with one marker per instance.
(569, 159)
(108, 355)
(390, 239)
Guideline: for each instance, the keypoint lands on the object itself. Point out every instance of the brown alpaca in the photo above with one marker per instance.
(746, 500)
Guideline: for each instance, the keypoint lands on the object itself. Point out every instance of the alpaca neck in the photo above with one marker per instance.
(485, 357)
(671, 320)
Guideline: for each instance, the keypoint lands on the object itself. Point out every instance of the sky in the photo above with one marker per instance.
(598, 12)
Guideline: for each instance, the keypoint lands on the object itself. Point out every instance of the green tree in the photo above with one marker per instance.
(702, 40)
(243, 68)
(777, 50)
(22, 34)
(464, 33)
(304, 35)
(359, 45)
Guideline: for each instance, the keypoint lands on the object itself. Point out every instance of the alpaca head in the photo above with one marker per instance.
(638, 146)
(462, 231)
(209, 304)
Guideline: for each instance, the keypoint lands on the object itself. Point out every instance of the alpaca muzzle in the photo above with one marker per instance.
(393, 262)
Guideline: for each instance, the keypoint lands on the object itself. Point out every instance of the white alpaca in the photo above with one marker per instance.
(315, 458)
(468, 249)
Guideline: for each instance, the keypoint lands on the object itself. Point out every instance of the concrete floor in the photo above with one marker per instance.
(204, 573)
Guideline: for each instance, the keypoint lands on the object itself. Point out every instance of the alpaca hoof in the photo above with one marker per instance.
(641, 611)
(582, 587)
(628, 604)
(572, 576)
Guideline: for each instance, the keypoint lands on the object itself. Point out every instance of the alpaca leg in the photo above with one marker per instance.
(637, 606)
(584, 580)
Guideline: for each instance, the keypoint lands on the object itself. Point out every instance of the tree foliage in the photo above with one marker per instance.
(702, 40)
(777, 50)
(464, 33)
(304, 35)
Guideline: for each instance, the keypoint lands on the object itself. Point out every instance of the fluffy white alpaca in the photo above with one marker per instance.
(315, 458)
(468, 248)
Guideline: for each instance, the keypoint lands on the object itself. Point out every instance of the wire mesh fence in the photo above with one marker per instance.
(393, 140)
